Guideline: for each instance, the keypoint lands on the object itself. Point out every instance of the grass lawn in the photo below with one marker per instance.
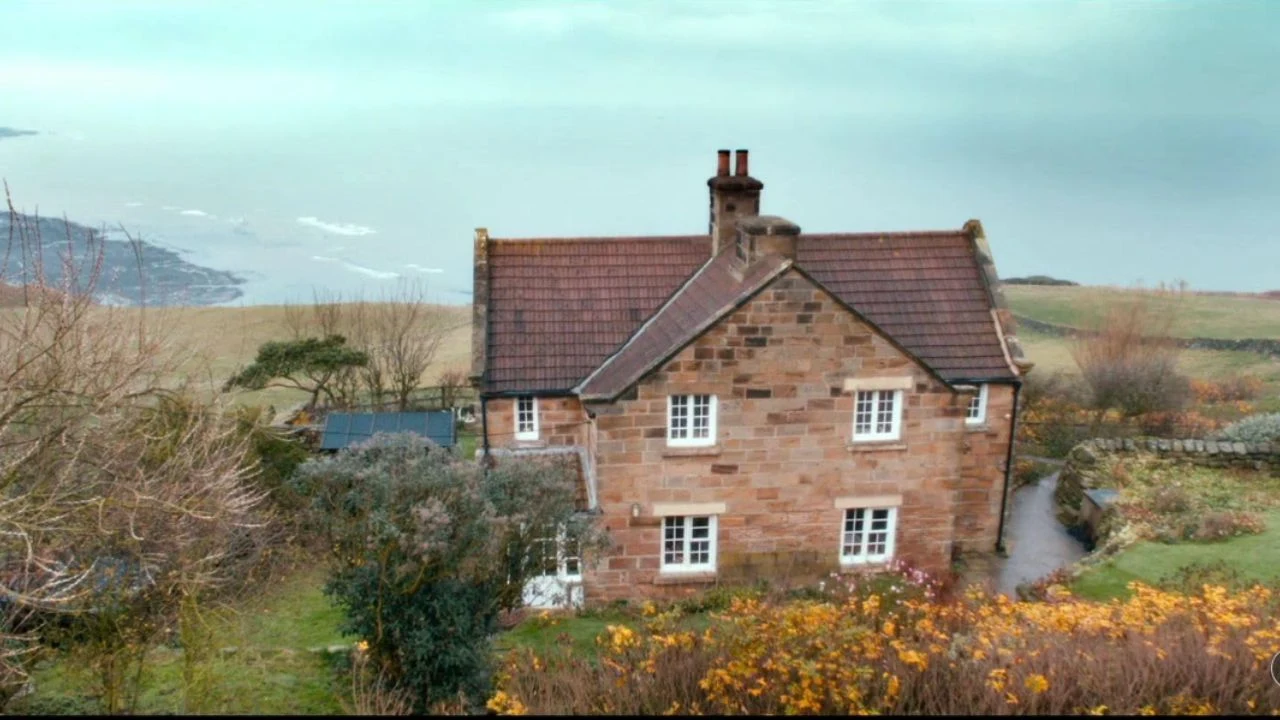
(579, 631)
(270, 671)
(1254, 557)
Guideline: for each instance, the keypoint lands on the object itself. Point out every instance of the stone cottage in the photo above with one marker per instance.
(752, 402)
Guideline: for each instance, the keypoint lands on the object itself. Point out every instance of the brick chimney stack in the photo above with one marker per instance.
(733, 197)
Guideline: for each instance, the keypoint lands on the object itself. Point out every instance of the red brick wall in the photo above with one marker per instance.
(982, 470)
(561, 421)
(778, 367)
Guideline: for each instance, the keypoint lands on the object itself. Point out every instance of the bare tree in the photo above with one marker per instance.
(409, 334)
(1129, 361)
(88, 472)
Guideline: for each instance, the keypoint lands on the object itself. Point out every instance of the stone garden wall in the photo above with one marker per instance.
(1269, 347)
(1083, 467)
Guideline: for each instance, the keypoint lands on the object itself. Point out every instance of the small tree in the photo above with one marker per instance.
(1129, 362)
(309, 364)
(428, 550)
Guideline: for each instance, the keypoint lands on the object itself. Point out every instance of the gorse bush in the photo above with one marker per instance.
(1253, 429)
(1156, 653)
(428, 550)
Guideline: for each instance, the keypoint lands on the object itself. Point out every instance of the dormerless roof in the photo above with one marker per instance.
(560, 308)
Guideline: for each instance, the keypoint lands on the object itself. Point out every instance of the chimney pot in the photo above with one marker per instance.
(722, 163)
(741, 167)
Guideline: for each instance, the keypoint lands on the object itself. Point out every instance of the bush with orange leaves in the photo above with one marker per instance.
(1237, 388)
(1155, 653)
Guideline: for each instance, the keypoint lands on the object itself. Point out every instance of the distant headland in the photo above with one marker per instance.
(165, 278)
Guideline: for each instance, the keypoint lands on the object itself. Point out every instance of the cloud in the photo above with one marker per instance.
(989, 28)
(133, 203)
(196, 213)
(8, 132)
(349, 229)
(421, 269)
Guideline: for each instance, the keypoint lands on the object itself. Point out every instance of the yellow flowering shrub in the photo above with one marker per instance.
(1155, 652)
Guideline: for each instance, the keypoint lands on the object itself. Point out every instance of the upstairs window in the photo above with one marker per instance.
(526, 418)
(877, 415)
(868, 535)
(977, 412)
(691, 420)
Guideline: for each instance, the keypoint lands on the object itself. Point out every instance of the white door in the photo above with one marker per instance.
(557, 579)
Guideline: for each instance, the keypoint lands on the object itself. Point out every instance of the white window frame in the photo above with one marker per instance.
(895, 421)
(865, 556)
(977, 401)
(563, 559)
(526, 434)
(685, 524)
(673, 401)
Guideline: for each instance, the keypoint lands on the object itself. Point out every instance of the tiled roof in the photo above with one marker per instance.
(712, 292)
(558, 308)
(924, 290)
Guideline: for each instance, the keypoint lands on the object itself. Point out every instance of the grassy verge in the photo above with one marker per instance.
(264, 663)
(1253, 557)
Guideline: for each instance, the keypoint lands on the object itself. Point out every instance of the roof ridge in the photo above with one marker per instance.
(888, 234)
(599, 238)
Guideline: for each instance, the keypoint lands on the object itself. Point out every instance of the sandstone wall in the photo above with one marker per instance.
(778, 366)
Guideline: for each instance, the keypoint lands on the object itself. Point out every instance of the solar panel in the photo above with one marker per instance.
(344, 429)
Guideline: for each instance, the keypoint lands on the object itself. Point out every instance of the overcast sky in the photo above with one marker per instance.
(1104, 142)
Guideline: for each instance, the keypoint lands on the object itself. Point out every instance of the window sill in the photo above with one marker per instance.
(691, 451)
(874, 445)
(530, 442)
(853, 568)
(685, 578)
(977, 427)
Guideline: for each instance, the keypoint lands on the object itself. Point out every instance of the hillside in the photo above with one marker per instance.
(1199, 315)
(215, 341)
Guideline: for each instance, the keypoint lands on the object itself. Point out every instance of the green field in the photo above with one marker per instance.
(1209, 316)
(1199, 316)
(265, 662)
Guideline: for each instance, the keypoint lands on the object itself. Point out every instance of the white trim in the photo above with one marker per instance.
(981, 397)
(864, 557)
(527, 434)
(863, 501)
(686, 540)
(895, 418)
(897, 382)
(706, 508)
(689, 403)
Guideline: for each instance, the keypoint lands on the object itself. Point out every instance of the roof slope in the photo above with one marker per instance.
(924, 290)
(709, 295)
(559, 307)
